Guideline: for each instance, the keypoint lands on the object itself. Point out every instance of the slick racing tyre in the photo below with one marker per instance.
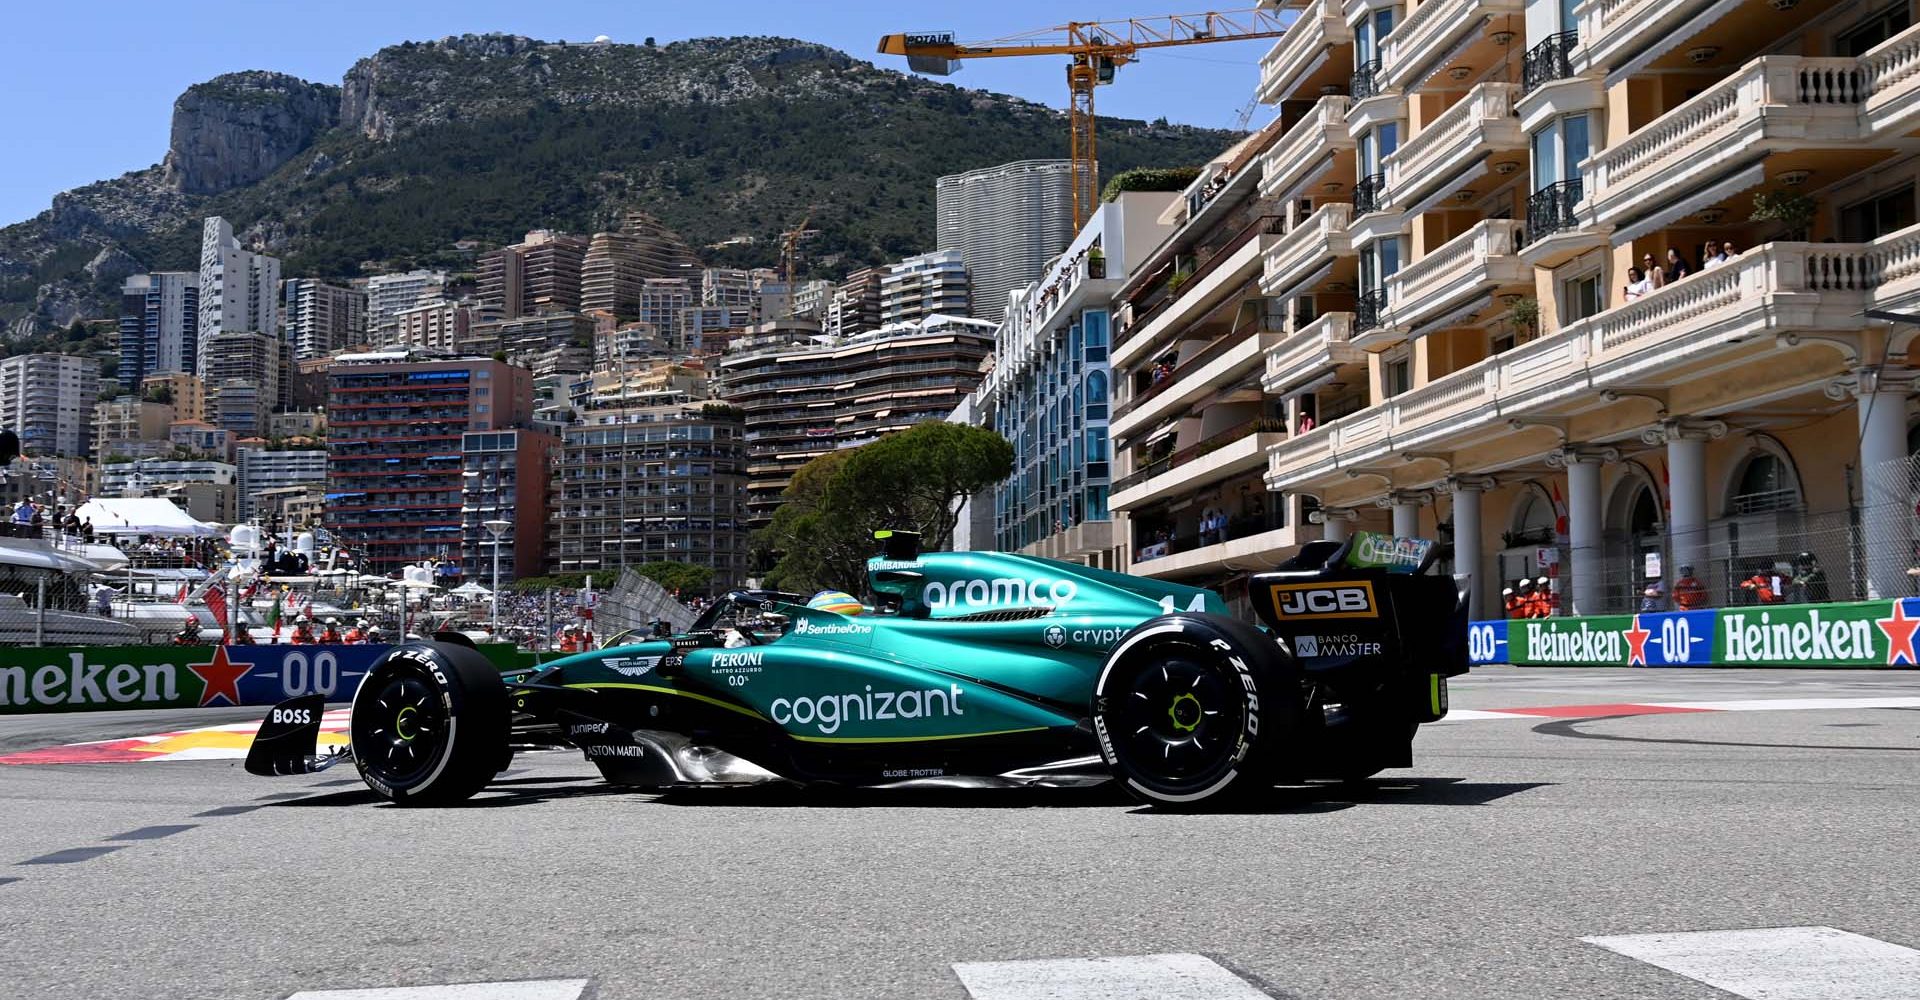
(1191, 709)
(429, 724)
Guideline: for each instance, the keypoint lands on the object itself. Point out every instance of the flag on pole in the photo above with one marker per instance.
(273, 615)
(217, 603)
(182, 598)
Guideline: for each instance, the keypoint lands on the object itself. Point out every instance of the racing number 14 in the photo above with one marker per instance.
(1199, 603)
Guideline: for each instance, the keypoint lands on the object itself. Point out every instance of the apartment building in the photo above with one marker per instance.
(923, 285)
(437, 327)
(1006, 222)
(187, 393)
(201, 438)
(243, 373)
(322, 318)
(617, 264)
(644, 483)
(805, 393)
(396, 428)
(124, 419)
(855, 305)
(389, 295)
(1050, 392)
(47, 399)
(159, 324)
(505, 476)
(812, 298)
(1509, 375)
(539, 274)
(662, 300)
(239, 289)
(1190, 423)
(264, 469)
(207, 490)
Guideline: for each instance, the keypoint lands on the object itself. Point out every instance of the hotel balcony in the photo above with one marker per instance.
(1458, 32)
(1303, 58)
(1316, 350)
(1774, 114)
(1623, 37)
(1701, 327)
(1476, 135)
(1229, 453)
(1258, 546)
(1308, 250)
(1218, 366)
(1449, 286)
(1228, 271)
(1316, 147)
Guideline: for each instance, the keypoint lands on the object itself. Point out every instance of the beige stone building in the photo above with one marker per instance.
(1464, 351)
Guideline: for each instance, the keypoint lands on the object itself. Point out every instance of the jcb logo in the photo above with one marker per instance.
(1314, 600)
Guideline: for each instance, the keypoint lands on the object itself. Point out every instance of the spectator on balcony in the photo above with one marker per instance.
(1638, 284)
(1653, 597)
(1710, 256)
(1763, 587)
(1652, 270)
(1676, 266)
(23, 514)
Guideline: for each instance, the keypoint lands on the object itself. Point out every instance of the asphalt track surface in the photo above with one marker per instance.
(1475, 874)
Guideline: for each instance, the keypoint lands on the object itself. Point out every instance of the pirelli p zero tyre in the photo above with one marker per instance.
(1191, 709)
(429, 724)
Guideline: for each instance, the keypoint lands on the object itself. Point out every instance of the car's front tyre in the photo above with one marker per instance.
(1191, 709)
(430, 724)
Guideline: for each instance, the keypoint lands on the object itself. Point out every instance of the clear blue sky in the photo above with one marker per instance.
(89, 85)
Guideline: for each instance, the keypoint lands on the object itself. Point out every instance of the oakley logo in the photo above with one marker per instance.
(1352, 600)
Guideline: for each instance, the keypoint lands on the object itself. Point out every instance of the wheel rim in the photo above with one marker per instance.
(400, 729)
(1177, 715)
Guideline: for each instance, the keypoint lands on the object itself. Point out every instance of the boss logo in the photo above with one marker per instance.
(1315, 600)
(292, 716)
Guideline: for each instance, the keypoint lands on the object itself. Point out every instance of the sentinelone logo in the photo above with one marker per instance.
(826, 712)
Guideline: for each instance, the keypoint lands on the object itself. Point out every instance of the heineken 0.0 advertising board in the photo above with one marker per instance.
(1864, 634)
(96, 678)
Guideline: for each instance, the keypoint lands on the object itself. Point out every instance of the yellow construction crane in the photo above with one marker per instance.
(1095, 50)
(789, 246)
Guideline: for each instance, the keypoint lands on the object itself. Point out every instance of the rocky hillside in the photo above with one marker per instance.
(427, 150)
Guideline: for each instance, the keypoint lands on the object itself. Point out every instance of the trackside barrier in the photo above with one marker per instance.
(1861, 634)
(105, 678)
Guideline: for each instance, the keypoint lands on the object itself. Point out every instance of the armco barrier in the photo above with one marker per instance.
(100, 678)
(1863, 634)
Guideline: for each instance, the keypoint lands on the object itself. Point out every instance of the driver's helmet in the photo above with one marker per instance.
(837, 601)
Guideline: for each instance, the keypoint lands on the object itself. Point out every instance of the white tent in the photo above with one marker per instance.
(470, 590)
(142, 516)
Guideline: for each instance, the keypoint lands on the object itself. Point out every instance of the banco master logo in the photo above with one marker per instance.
(1313, 646)
(827, 712)
(1001, 592)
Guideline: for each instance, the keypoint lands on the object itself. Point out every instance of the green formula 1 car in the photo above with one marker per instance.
(973, 669)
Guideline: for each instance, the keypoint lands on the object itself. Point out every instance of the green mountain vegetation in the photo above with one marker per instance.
(440, 150)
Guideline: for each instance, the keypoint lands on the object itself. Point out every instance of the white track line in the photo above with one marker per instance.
(1130, 977)
(1789, 704)
(1781, 963)
(544, 989)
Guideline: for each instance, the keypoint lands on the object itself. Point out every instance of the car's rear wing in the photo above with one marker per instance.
(1370, 600)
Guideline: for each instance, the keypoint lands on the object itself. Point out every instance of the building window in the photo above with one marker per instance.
(1581, 297)
(1876, 29)
(1396, 372)
(1877, 216)
(1097, 395)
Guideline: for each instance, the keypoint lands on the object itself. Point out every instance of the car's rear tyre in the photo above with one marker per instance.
(1191, 709)
(429, 724)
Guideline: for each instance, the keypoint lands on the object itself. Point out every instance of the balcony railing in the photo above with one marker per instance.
(1365, 82)
(1321, 24)
(1765, 288)
(1304, 146)
(1237, 528)
(1320, 236)
(1264, 225)
(1312, 349)
(1480, 123)
(1548, 61)
(1478, 259)
(1219, 346)
(1238, 432)
(1435, 30)
(1369, 195)
(1370, 309)
(1784, 102)
(1550, 209)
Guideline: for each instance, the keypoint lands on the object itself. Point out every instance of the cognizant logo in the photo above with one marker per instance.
(1005, 592)
(826, 712)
